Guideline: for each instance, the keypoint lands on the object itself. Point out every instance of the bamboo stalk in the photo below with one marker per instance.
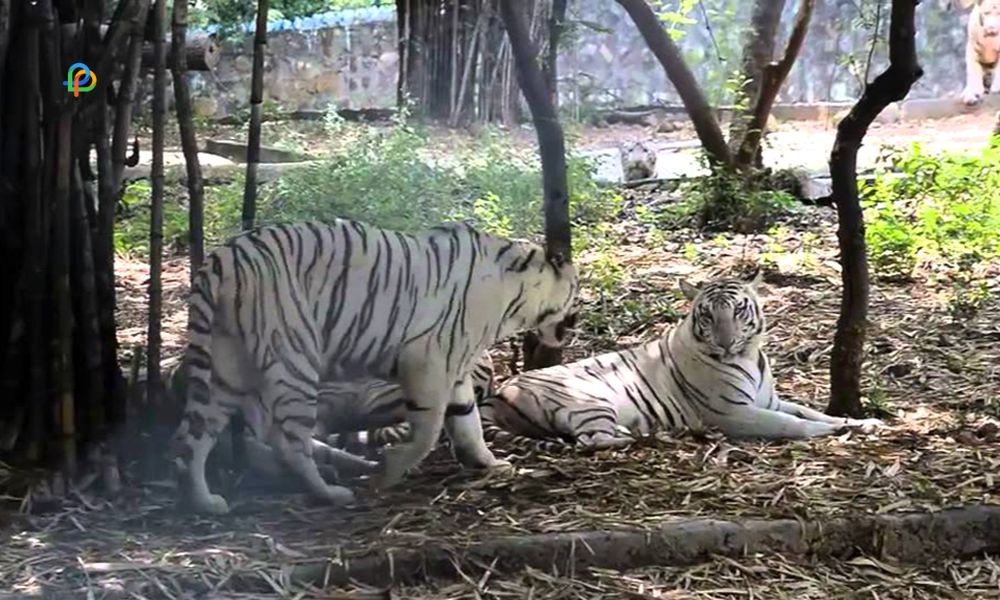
(156, 222)
(182, 101)
(88, 342)
(35, 244)
(111, 163)
(256, 105)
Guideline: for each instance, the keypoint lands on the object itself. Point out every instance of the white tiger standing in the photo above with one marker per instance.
(277, 310)
(709, 371)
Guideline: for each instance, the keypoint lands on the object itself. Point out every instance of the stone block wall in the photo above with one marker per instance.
(350, 59)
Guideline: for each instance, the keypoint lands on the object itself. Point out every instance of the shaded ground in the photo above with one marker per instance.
(934, 376)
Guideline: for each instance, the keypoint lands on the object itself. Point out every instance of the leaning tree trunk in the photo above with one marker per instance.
(758, 52)
(552, 148)
(189, 143)
(706, 125)
(891, 86)
(256, 107)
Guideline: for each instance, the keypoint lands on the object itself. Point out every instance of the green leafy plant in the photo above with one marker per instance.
(943, 207)
(734, 202)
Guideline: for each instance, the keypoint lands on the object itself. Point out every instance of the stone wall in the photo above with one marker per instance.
(350, 59)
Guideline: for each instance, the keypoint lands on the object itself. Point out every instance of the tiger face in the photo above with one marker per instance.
(725, 318)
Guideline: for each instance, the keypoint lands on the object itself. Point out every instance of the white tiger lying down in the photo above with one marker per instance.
(277, 310)
(708, 371)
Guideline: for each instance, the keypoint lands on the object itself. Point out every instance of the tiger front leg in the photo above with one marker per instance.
(292, 434)
(804, 412)
(750, 421)
(465, 430)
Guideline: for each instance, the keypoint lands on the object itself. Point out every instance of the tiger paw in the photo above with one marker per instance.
(865, 425)
(212, 504)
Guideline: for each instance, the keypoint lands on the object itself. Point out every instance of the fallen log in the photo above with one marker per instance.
(917, 538)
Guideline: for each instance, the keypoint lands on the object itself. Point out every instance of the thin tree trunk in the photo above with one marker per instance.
(88, 338)
(35, 248)
(556, 22)
(156, 220)
(552, 148)
(758, 52)
(256, 102)
(182, 100)
(747, 149)
(891, 86)
(669, 55)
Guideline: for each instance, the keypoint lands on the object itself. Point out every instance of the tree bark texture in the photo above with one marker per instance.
(552, 148)
(256, 108)
(892, 85)
(705, 123)
(189, 141)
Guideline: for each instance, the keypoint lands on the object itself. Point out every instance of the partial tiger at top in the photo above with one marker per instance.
(279, 309)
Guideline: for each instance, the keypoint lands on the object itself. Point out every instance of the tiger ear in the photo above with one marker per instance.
(690, 290)
(755, 278)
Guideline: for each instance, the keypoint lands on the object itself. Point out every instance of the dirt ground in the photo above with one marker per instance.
(931, 375)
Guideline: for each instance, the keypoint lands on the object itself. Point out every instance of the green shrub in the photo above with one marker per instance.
(943, 207)
(723, 201)
(391, 177)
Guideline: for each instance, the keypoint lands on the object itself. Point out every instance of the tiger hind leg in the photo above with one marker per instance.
(292, 432)
(200, 428)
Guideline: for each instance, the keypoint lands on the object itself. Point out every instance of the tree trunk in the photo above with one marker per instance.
(891, 86)
(747, 135)
(551, 147)
(668, 54)
(182, 100)
(256, 106)
(556, 23)
(153, 385)
(758, 52)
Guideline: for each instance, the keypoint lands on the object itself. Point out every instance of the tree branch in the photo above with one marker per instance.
(773, 77)
(669, 55)
(891, 86)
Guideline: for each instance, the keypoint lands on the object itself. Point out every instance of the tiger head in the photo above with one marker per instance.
(545, 296)
(557, 318)
(725, 320)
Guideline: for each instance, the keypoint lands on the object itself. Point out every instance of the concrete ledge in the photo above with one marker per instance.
(918, 538)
